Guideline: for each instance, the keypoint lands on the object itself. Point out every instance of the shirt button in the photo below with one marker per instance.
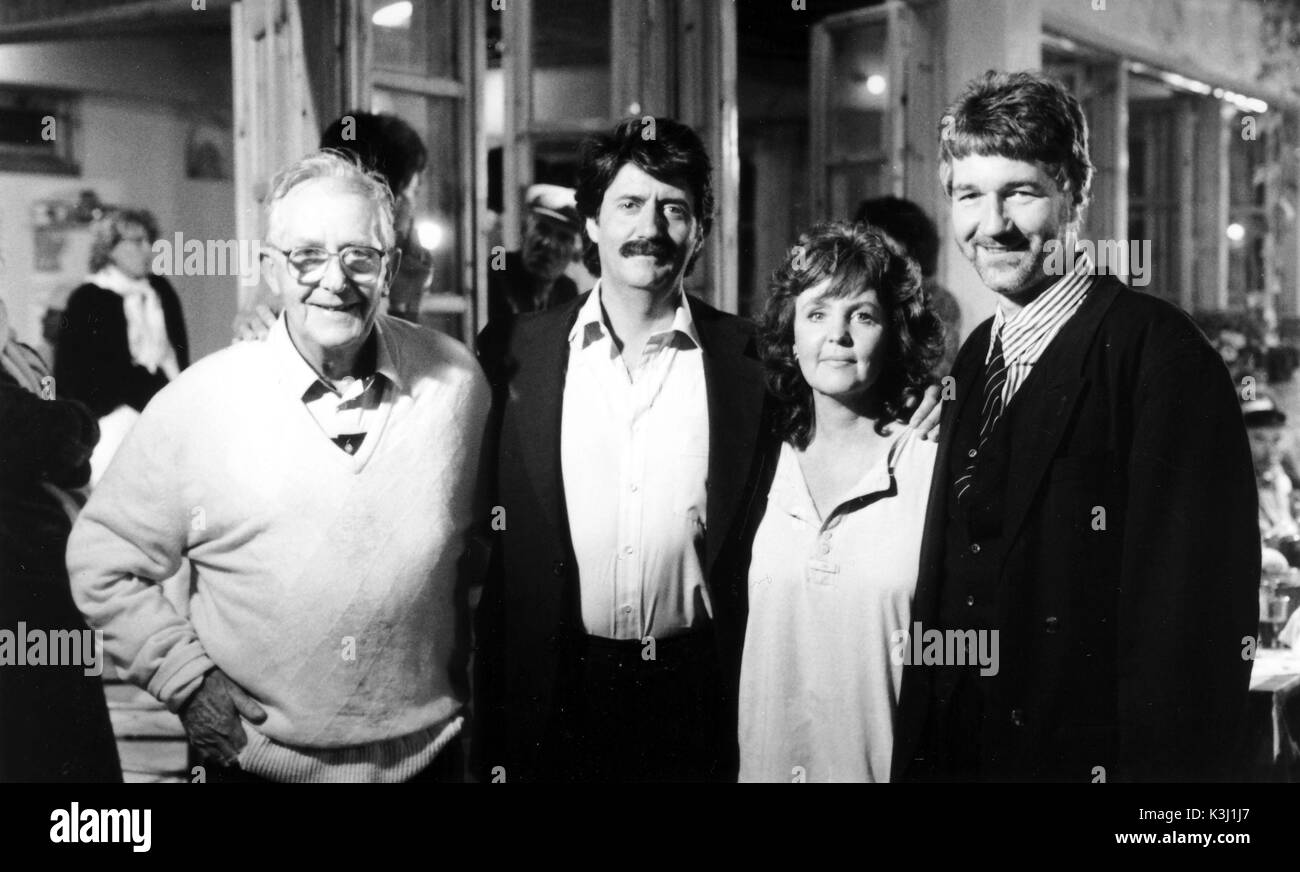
(627, 610)
(627, 550)
(972, 453)
(557, 568)
(635, 488)
(970, 600)
(1052, 624)
(826, 548)
(975, 548)
(1018, 717)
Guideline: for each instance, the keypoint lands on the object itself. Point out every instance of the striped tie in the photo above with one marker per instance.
(990, 411)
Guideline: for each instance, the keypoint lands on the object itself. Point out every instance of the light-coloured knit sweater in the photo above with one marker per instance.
(323, 583)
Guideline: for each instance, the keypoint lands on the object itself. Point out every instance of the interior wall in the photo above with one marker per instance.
(141, 97)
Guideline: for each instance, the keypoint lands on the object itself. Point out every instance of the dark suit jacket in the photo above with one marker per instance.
(93, 360)
(1120, 647)
(530, 604)
(54, 722)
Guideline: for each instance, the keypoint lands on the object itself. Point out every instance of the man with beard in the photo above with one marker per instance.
(533, 279)
(609, 630)
(1092, 513)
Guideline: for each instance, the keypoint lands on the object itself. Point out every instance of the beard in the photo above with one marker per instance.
(1011, 269)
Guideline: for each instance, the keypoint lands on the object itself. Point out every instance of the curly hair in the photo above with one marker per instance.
(856, 258)
(108, 229)
(1023, 116)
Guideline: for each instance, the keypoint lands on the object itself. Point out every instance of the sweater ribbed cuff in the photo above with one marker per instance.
(392, 760)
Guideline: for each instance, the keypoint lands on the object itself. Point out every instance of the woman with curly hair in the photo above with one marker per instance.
(848, 342)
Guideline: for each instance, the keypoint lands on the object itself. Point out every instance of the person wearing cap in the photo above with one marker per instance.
(1264, 424)
(532, 279)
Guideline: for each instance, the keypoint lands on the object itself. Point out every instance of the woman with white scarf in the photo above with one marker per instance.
(123, 336)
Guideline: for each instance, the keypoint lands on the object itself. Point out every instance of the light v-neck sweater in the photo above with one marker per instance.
(323, 584)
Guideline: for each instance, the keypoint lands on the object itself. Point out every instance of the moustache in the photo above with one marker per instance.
(659, 249)
(1011, 243)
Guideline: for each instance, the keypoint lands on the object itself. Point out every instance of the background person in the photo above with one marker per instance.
(908, 225)
(123, 335)
(533, 279)
(54, 723)
(1266, 427)
(847, 340)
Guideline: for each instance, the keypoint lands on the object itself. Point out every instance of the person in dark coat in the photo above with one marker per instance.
(123, 334)
(54, 723)
(595, 662)
(907, 224)
(1092, 519)
(532, 279)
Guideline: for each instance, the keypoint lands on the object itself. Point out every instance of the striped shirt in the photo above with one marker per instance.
(345, 411)
(1026, 334)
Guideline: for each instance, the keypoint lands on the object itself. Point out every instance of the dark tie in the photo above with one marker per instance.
(990, 410)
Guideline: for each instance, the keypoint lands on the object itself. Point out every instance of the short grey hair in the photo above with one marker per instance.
(330, 163)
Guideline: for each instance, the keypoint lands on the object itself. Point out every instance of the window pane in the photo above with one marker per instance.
(441, 196)
(860, 90)
(423, 44)
(571, 78)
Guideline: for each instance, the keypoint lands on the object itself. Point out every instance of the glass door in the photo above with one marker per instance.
(424, 62)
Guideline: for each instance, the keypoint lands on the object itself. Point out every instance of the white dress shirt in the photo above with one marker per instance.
(818, 685)
(634, 452)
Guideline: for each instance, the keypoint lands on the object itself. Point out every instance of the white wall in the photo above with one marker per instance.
(140, 99)
(1214, 37)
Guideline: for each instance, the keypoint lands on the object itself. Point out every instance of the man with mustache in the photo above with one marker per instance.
(609, 631)
(1093, 503)
(322, 484)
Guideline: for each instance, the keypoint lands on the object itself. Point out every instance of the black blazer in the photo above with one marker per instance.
(1120, 647)
(92, 362)
(530, 604)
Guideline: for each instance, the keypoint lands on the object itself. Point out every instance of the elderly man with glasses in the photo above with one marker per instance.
(324, 485)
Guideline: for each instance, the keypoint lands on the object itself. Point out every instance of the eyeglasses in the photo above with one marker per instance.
(361, 262)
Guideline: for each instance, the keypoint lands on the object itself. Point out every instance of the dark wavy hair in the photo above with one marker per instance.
(856, 258)
(907, 224)
(382, 142)
(1024, 116)
(662, 147)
